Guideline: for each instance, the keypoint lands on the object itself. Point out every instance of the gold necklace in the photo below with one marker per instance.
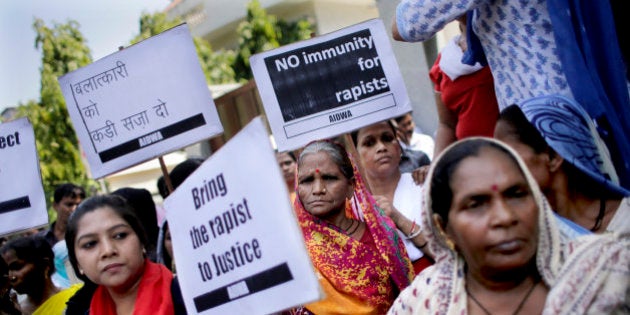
(518, 308)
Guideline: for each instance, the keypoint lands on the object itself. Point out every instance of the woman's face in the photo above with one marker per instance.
(379, 149)
(287, 165)
(537, 163)
(23, 275)
(493, 216)
(168, 243)
(322, 187)
(108, 250)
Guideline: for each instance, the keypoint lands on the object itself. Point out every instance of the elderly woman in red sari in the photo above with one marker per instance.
(498, 249)
(361, 261)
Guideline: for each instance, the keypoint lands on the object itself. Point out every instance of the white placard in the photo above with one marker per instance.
(236, 240)
(331, 84)
(22, 199)
(140, 102)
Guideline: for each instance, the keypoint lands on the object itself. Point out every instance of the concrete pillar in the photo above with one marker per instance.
(413, 65)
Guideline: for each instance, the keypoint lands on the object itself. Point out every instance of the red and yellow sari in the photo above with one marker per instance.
(358, 277)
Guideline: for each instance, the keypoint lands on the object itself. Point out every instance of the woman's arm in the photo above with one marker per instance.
(395, 33)
(418, 20)
(445, 133)
(409, 228)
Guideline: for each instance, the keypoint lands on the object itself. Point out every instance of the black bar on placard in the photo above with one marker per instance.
(166, 132)
(14, 204)
(255, 283)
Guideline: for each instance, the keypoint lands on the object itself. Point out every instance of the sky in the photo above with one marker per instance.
(106, 25)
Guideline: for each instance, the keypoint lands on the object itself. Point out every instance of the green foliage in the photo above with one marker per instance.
(262, 32)
(63, 50)
(217, 66)
(295, 31)
(153, 24)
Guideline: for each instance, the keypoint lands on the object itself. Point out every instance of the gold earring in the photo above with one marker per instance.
(450, 244)
(437, 221)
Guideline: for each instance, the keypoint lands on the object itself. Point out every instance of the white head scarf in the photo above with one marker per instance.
(590, 274)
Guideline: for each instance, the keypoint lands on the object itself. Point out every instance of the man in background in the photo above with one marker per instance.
(412, 139)
(65, 200)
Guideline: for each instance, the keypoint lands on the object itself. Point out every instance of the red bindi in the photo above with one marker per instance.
(495, 188)
(317, 170)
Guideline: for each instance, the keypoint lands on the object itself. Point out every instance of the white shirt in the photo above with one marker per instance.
(408, 200)
(420, 142)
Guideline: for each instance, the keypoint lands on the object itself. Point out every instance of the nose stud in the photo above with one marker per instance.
(13, 278)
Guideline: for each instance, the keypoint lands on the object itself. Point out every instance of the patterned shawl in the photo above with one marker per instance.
(570, 131)
(589, 275)
(589, 49)
(370, 273)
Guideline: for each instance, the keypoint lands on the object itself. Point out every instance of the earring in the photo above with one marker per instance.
(81, 271)
(450, 244)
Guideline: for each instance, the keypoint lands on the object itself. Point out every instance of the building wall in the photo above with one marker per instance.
(415, 70)
(334, 15)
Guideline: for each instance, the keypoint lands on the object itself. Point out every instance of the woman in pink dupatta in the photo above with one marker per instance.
(361, 261)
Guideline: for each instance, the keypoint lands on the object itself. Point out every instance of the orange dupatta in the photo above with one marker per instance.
(154, 294)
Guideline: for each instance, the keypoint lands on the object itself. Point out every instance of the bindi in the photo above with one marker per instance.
(317, 170)
(494, 187)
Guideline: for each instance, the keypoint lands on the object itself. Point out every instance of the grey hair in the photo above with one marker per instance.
(336, 152)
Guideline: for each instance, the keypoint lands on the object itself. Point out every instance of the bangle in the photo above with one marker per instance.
(413, 234)
(413, 225)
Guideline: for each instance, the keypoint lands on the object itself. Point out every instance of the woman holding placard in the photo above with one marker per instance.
(395, 192)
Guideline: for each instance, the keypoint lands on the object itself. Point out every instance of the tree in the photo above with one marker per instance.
(261, 32)
(295, 31)
(63, 50)
(217, 66)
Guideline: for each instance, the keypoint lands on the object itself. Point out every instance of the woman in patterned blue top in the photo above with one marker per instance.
(537, 48)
